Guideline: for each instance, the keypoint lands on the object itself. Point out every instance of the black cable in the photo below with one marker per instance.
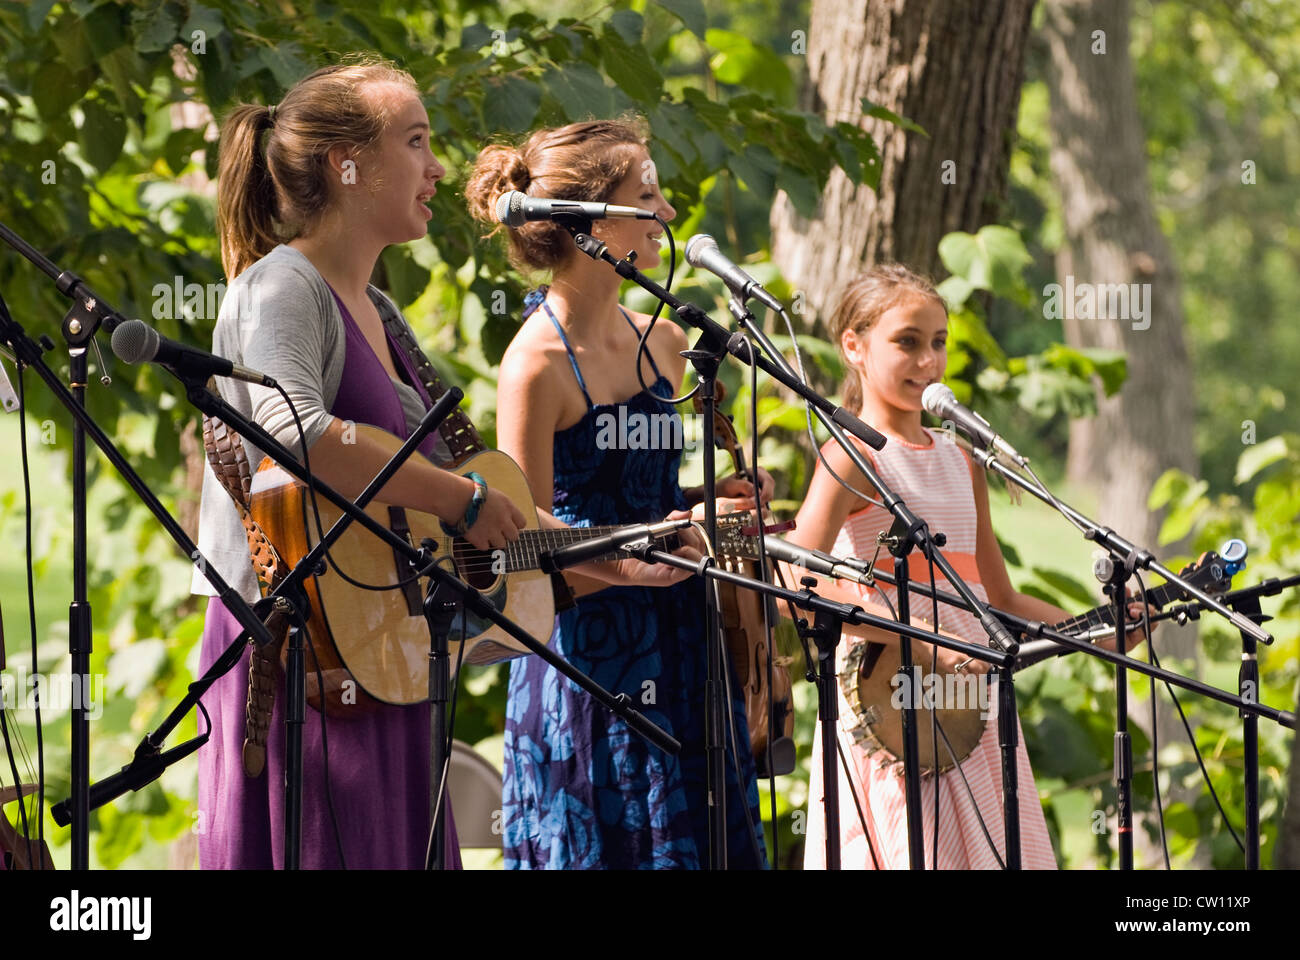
(643, 340)
(849, 776)
(448, 744)
(852, 779)
(302, 625)
(817, 449)
(324, 742)
(1155, 726)
(18, 786)
(31, 608)
(733, 739)
(970, 793)
(767, 626)
(934, 708)
(1205, 774)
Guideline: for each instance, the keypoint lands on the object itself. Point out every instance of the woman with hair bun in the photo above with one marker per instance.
(582, 790)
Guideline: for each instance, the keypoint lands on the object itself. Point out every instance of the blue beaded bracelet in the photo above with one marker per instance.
(471, 511)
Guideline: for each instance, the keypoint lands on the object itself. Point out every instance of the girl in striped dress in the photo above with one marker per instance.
(892, 329)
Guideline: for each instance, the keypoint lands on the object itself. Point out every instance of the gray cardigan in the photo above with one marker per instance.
(279, 318)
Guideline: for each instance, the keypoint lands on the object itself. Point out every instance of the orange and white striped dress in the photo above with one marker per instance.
(935, 482)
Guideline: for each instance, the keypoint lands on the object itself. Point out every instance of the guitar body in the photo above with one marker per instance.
(373, 646)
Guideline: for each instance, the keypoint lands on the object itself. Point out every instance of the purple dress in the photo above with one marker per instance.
(378, 763)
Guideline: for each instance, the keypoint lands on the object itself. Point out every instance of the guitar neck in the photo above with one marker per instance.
(1104, 615)
(525, 553)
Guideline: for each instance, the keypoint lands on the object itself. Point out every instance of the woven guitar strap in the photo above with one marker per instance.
(229, 461)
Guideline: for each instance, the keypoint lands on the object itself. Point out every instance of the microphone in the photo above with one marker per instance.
(702, 252)
(938, 399)
(586, 551)
(514, 209)
(822, 564)
(135, 341)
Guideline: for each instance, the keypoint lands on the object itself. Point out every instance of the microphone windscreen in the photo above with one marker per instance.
(135, 341)
(936, 399)
(696, 246)
(509, 208)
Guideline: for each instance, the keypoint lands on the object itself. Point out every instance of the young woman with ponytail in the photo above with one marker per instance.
(310, 192)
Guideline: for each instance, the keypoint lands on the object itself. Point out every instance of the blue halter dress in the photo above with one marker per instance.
(581, 790)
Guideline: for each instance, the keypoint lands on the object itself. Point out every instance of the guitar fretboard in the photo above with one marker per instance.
(1104, 615)
(525, 553)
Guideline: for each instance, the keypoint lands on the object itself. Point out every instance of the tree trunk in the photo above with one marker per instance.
(955, 68)
(1099, 167)
(1098, 161)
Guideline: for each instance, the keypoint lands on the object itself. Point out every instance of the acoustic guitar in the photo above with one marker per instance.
(962, 700)
(374, 645)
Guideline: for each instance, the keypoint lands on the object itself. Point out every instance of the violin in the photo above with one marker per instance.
(769, 703)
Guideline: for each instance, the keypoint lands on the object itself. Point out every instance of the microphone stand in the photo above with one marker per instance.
(1124, 560)
(829, 618)
(706, 356)
(148, 764)
(87, 314)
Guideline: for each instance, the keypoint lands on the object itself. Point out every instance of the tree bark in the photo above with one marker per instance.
(955, 68)
(1098, 161)
(1099, 167)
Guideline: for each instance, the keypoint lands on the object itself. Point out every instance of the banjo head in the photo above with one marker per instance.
(961, 702)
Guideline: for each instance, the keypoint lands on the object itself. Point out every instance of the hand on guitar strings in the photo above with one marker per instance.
(498, 523)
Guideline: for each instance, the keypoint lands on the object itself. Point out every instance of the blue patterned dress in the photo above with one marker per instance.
(581, 790)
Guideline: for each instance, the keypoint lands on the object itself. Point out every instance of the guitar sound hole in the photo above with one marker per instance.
(475, 567)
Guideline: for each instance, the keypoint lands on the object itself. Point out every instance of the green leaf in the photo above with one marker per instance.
(884, 113)
(689, 12)
(993, 259)
(631, 68)
(954, 291)
(102, 134)
(156, 29)
(629, 25)
(475, 36)
(57, 90)
(581, 91)
(510, 103)
(37, 11)
(106, 28)
(407, 280)
(743, 63)
(968, 329)
(205, 19)
(1258, 456)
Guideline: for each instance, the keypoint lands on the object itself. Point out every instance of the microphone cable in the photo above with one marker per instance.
(642, 346)
(31, 622)
(1191, 738)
